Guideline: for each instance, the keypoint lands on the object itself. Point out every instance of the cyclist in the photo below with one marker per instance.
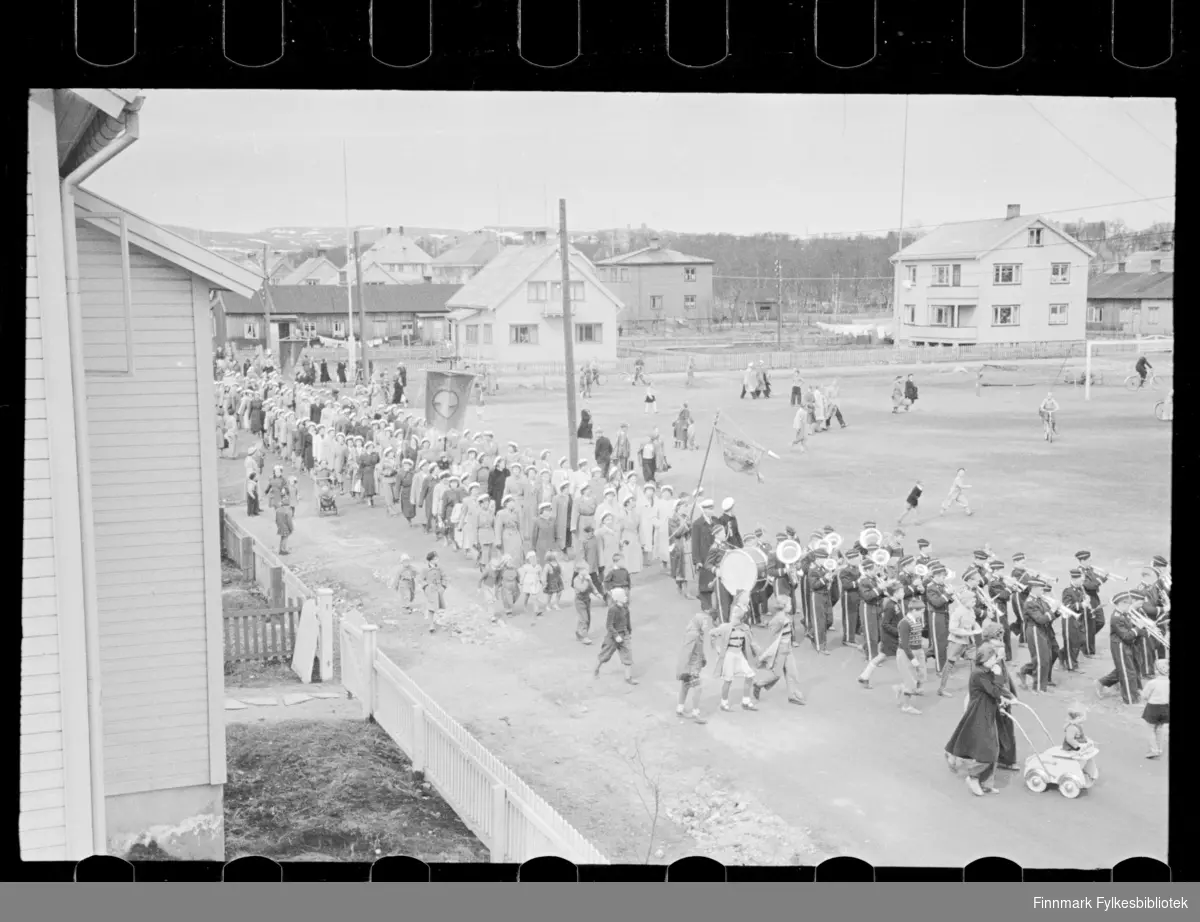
(639, 368)
(1142, 367)
(1046, 411)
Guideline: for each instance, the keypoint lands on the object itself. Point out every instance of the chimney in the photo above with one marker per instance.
(400, 230)
(321, 253)
(1014, 211)
(528, 238)
(540, 236)
(655, 243)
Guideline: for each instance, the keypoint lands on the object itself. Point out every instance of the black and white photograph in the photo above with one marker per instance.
(622, 477)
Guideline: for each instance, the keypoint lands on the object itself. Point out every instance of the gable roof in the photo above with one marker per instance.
(307, 268)
(475, 250)
(396, 248)
(1132, 286)
(509, 270)
(153, 238)
(331, 299)
(649, 256)
(975, 239)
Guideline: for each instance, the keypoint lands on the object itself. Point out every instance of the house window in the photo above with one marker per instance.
(487, 334)
(689, 302)
(556, 292)
(941, 275)
(656, 303)
(1058, 314)
(1095, 314)
(956, 274)
(1152, 314)
(910, 274)
(339, 328)
(910, 313)
(1060, 273)
(589, 332)
(943, 315)
(523, 334)
(250, 330)
(1006, 274)
(311, 281)
(624, 274)
(1006, 315)
(1035, 236)
(308, 329)
(536, 291)
(689, 274)
(473, 335)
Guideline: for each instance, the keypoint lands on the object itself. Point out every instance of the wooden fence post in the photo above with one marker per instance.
(247, 562)
(276, 593)
(370, 644)
(325, 618)
(417, 756)
(221, 523)
(499, 842)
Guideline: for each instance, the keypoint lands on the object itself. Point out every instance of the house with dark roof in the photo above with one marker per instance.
(659, 285)
(1141, 303)
(406, 313)
(1014, 279)
(400, 255)
(465, 258)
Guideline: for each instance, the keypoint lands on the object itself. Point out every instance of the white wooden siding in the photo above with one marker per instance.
(42, 821)
(146, 488)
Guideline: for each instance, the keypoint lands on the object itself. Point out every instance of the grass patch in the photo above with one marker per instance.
(340, 789)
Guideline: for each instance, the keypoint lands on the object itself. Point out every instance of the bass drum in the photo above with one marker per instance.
(742, 569)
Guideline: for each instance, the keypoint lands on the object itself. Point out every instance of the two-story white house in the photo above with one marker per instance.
(1016, 279)
(511, 311)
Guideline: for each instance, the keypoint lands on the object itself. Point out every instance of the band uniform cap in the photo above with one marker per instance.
(853, 555)
(1160, 561)
(1127, 596)
(907, 561)
(727, 504)
(1076, 573)
(1018, 557)
(781, 536)
(980, 555)
(706, 504)
(817, 534)
(938, 571)
(921, 542)
(820, 553)
(828, 530)
(1038, 584)
(868, 525)
(996, 565)
(1082, 555)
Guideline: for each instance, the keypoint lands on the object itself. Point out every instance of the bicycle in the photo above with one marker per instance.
(631, 378)
(1164, 410)
(1049, 426)
(1134, 381)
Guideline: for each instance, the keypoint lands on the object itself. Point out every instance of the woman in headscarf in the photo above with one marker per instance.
(256, 415)
(366, 471)
(584, 433)
(631, 541)
(977, 735)
(498, 482)
(508, 525)
(690, 664)
(306, 446)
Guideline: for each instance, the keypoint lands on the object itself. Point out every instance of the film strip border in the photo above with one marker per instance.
(936, 36)
(398, 869)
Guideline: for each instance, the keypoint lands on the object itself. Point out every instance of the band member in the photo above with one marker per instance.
(1123, 638)
(924, 554)
(867, 526)
(851, 602)
(820, 586)
(873, 594)
(999, 593)
(1074, 632)
(976, 584)
(702, 541)
(1092, 581)
(979, 566)
(708, 582)
(778, 657)
(1018, 598)
(889, 631)
(1154, 608)
(732, 535)
(908, 578)
(1039, 637)
(962, 631)
(732, 641)
(938, 599)
(803, 566)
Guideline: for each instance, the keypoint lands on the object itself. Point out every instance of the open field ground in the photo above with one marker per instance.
(848, 774)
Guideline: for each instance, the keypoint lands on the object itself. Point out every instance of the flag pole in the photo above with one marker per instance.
(704, 464)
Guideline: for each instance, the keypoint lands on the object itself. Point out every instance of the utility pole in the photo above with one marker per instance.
(349, 299)
(267, 297)
(362, 308)
(837, 278)
(568, 335)
(779, 299)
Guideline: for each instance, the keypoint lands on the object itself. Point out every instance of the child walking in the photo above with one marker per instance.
(531, 584)
(552, 581)
(651, 400)
(283, 523)
(404, 582)
(489, 581)
(509, 586)
(585, 589)
(617, 637)
(1157, 713)
(252, 493)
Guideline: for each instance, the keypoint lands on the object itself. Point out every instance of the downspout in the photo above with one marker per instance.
(83, 463)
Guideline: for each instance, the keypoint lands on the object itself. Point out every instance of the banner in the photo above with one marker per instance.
(446, 398)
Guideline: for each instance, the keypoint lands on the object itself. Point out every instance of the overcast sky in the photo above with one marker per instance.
(246, 161)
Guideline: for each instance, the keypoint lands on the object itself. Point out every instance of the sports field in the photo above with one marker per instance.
(848, 773)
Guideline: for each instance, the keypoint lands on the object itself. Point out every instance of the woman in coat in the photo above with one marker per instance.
(543, 532)
(899, 401)
(647, 510)
(256, 415)
(366, 471)
(584, 513)
(486, 534)
(610, 540)
(498, 483)
(977, 736)
(470, 515)
(390, 477)
(631, 541)
(585, 426)
(408, 508)
(508, 525)
(276, 488)
(306, 447)
(562, 517)
(664, 511)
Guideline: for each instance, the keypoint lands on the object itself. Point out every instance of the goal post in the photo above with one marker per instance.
(1116, 354)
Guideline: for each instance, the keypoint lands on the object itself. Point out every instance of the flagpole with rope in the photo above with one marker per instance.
(704, 464)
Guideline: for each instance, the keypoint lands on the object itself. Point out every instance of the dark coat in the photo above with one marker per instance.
(977, 735)
(729, 522)
(497, 479)
(366, 471)
(604, 449)
(324, 372)
(702, 540)
(910, 391)
(585, 426)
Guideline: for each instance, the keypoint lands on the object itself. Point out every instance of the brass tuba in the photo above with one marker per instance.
(787, 552)
(921, 571)
(870, 538)
(832, 541)
(880, 557)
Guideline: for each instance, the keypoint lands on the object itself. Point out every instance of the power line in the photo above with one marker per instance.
(1153, 136)
(1079, 148)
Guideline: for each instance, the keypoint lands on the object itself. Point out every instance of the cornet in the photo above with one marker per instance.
(831, 542)
(1104, 574)
(1144, 623)
(870, 538)
(921, 571)
(880, 557)
(787, 552)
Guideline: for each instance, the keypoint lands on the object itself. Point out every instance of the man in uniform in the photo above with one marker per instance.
(1039, 637)
(1075, 633)
(999, 593)
(1123, 638)
(938, 599)
(820, 585)
(1152, 607)
(730, 523)
(708, 583)
(979, 565)
(924, 554)
(702, 540)
(1092, 581)
(1018, 598)
(872, 591)
(851, 603)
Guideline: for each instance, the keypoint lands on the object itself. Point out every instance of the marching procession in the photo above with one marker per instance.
(536, 528)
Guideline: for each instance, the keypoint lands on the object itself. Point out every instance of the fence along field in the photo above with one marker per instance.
(508, 816)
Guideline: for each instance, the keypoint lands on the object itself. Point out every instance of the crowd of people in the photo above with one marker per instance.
(536, 527)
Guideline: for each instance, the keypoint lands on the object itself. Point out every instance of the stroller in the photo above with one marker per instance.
(1072, 770)
(326, 504)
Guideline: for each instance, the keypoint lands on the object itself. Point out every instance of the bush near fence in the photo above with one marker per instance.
(508, 816)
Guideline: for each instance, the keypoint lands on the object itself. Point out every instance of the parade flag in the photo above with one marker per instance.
(446, 397)
(741, 454)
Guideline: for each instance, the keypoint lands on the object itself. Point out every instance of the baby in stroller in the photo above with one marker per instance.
(325, 498)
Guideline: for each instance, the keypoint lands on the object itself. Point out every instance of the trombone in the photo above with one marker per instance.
(1144, 623)
(1104, 574)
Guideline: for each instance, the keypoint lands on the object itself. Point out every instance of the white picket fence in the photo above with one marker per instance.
(508, 816)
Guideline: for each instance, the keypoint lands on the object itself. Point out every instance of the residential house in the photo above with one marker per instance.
(316, 270)
(373, 274)
(400, 256)
(658, 284)
(408, 313)
(511, 310)
(1161, 259)
(458, 264)
(122, 734)
(1008, 280)
(1141, 303)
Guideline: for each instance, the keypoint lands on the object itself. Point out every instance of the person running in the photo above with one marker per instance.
(651, 401)
(617, 637)
(1047, 411)
(800, 424)
(910, 504)
(956, 495)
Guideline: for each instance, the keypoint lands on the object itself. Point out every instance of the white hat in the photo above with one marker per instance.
(706, 504)
(726, 504)
(608, 490)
